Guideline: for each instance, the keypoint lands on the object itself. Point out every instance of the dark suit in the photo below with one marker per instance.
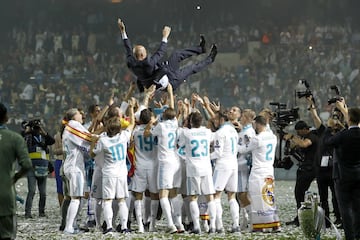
(150, 70)
(347, 183)
(144, 69)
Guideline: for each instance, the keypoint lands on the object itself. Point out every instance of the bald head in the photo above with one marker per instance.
(139, 52)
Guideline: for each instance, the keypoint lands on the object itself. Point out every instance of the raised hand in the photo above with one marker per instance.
(121, 25)
(166, 32)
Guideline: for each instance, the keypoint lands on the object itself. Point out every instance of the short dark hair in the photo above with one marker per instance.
(145, 116)
(300, 125)
(169, 114)
(260, 120)
(195, 119)
(3, 113)
(354, 115)
(92, 108)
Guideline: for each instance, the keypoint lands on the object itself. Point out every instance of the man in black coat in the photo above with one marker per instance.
(347, 183)
(149, 70)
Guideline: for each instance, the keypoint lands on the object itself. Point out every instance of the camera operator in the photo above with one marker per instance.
(324, 173)
(307, 143)
(37, 140)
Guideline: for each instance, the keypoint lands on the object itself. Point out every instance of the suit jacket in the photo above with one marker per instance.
(146, 70)
(347, 151)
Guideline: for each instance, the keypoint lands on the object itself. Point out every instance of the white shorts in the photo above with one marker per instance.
(144, 179)
(96, 186)
(169, 176)
(76, 183)
(225, 179)
(200, 185)
(115, 187)
(243, 176)
(183, 189)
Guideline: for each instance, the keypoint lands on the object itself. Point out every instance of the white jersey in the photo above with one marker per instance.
(115, 152)
(197, 150)
(245, 136)
(225, 147)
(165, 132)
(99, 158)
(263, 148)
(76, 142)
(145, 151)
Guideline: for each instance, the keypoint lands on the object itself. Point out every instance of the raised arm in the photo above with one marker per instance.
(313, 112)
(343, 109)
(131, 115)
(207, 106)
(149, 93)
(171, 96)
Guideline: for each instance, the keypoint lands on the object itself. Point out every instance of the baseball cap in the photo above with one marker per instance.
(301, 125)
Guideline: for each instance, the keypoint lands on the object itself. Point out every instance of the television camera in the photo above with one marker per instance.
(283, 118)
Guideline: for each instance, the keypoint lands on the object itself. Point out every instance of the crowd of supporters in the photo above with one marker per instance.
(47, 67)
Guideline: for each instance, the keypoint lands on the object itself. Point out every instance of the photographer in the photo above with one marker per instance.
(37, 140)
(324, 173)
(307, 143)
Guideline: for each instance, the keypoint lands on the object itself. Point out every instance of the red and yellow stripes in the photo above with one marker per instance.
(266, 225)
(83, 135)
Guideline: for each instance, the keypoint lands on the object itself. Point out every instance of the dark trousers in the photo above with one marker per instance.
(178, 75)
(41, 184)
(304, 178)
(325, 181)
(348, 194)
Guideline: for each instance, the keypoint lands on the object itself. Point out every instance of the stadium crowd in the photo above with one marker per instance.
(48, 68)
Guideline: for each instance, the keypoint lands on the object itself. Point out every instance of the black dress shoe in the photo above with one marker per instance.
(213, 52)
(294, 222)
(202, 43)
(337, 221)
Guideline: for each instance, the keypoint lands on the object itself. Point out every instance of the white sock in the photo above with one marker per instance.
(108, 213)
(177, 203)
(78, 215)
(130, 204)
(219, 210)
(166, 208)
(98, 211)
(154, 210)
(138, 212)
(234, 210)
(91, 209)
(71, 214)
(115, 208)
(186, 214)
(212, 213)
(195, 214)
(147, 209)
(124, 214)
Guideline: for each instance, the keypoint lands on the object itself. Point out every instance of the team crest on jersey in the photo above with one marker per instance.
(268, 191)
(217, 144)
(240, 141)
(246, 139)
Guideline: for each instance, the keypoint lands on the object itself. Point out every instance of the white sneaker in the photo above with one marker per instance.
(180, 228)
(152, 226)
(245, 222)
(141, 228)
(171, 229)
(206, 226)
